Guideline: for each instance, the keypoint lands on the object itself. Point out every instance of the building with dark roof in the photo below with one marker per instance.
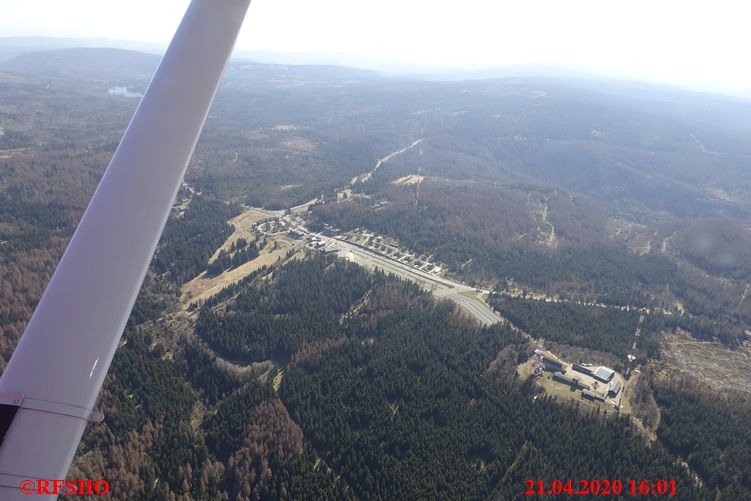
(552, 363)
(578, 384)
(571, 381)
(615, 387)
(582, 369)
(591, 395)
(559, 376)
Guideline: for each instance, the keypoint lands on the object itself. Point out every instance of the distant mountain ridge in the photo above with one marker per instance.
(13, 46)
(84, 64)
(10, 47)
(122, 65)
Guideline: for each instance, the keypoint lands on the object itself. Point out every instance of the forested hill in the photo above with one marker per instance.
(90, 64)
(386, 395)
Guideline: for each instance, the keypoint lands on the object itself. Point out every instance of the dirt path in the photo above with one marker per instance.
(743, 297)
(666, 243)
(299, 209)
(362, 178)
(181, 324)
(550, 240)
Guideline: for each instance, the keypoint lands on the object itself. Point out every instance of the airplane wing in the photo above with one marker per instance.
(51, 383)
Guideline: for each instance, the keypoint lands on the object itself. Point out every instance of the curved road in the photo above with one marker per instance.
(464, 295)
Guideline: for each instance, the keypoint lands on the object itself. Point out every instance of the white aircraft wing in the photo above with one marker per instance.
(51, 383)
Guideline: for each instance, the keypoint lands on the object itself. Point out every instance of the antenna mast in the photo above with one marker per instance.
(637, 335)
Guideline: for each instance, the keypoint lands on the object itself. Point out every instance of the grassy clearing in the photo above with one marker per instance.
(561, 391)
(241, 223)
(202, 287)
(277, 383)
(710, 362)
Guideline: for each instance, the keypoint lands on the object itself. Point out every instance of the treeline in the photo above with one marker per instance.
(240, 252)
(390, 393)
(190, 240)
(230, 290)
(729, 331)
(606, 329)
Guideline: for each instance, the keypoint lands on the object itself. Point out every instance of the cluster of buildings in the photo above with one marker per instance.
(592, 382)
(390, 248)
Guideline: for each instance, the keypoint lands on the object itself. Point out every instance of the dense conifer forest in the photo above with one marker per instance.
(394, 397)
(607, 329)
(190, 240)
(712, 431)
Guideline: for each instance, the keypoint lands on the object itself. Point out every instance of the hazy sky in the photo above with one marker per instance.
(703, 43)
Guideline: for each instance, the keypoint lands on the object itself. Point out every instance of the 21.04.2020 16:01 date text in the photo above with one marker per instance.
(601, 487)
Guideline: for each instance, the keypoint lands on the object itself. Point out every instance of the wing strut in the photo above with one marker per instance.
(51, 383)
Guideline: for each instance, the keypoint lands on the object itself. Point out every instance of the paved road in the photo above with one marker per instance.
(441, 287)
(477, 308)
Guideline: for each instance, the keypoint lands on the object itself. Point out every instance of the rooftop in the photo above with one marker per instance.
(592, 395)
(615, 387)
(604, 373)
(546, 355)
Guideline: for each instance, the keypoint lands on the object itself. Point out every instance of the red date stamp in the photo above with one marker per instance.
(602, 487)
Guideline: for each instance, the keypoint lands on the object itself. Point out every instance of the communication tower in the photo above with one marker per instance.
(632, 354)
(539, 350)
